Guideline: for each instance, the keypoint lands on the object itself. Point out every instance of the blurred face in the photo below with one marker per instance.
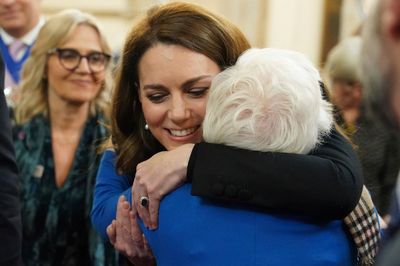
(345, 95)
(80, 85)
(390, 27)
(18, 17)
(174, 83)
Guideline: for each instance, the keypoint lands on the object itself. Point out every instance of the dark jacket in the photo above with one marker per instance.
(10, 217)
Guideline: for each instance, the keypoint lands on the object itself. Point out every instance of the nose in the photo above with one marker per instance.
(179, 110)
(83, 66)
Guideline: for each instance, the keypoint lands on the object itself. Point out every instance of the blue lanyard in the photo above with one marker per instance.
(13, 67)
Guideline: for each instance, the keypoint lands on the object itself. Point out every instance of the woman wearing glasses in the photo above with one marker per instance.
(64, 93)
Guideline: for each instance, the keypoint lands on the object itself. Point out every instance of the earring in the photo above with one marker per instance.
(146, 126)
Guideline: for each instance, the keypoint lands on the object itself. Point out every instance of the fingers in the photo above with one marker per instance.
(111, 232)
(144, 214)
(124, 217)
(119, 230)
(154, 205)
(139, 190)
(136, 233)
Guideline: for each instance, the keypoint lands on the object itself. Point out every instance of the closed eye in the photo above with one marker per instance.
(156, 97)
(198, 92)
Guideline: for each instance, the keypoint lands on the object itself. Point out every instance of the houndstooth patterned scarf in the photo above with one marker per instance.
(363, 225)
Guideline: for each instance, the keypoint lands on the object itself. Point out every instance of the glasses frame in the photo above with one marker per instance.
(58, 51)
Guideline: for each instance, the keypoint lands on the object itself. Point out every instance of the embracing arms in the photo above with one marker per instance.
(326, 184)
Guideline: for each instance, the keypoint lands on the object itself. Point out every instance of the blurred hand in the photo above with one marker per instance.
(126, 237)
(156, 177)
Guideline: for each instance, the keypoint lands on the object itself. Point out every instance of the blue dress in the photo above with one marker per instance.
(194, 231)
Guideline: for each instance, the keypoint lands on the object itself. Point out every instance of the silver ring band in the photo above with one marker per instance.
(144, 201)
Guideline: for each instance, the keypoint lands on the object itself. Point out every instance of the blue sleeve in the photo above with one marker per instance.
(109, 186)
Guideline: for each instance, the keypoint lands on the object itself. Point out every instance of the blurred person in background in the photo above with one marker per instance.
(377, 145)
(381, 82)
(59, 122)
(10, 212)
(20, 22)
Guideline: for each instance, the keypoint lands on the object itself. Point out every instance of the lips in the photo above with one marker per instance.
(9, 15)
(82, 82)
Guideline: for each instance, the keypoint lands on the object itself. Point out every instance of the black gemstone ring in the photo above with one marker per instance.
(144, 201)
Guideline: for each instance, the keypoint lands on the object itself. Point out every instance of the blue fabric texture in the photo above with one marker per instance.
(109, 186)
(194, 231)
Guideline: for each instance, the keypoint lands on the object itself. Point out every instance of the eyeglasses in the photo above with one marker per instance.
(71, 58)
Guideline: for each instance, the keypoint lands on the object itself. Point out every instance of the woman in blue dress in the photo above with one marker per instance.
(167, 66)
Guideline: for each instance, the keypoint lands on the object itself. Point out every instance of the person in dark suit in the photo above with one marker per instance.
(20, 22)
(381, 82)
(10, 213)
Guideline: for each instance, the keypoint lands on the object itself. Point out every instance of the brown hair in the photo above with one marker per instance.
(184, 24)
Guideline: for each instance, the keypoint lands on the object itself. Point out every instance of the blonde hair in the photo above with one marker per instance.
(344, 61)
(33, 86)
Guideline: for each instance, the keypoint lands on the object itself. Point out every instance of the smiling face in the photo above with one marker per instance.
(18, 17)
(174, 83)
(79, 86)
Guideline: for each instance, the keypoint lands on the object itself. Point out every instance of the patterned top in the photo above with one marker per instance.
(56, 225)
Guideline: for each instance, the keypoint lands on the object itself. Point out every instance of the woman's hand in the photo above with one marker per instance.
(126, 237)
(156, 177)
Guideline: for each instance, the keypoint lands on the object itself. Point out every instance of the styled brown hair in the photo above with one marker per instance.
(188, 25)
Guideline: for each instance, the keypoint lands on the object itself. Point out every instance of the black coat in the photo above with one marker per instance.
(326, 184)
(10, 215)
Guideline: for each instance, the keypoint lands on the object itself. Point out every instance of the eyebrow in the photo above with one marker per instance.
(76, 50)
(186, 84)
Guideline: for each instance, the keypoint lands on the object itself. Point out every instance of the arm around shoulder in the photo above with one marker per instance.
(325, 184)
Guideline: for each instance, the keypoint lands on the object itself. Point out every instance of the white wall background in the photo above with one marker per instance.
(290, 24)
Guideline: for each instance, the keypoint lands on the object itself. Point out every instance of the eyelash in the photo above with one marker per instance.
(158, 97)
(198, 92)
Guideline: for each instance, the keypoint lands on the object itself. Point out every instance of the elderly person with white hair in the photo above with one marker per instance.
(270, 100)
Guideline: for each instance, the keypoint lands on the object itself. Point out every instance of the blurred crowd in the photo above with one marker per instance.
(105, 159)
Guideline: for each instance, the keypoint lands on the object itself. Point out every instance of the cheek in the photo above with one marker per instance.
(52, 71)
(52, 78)
(200, 108)
(154, 114)
(99, 78)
